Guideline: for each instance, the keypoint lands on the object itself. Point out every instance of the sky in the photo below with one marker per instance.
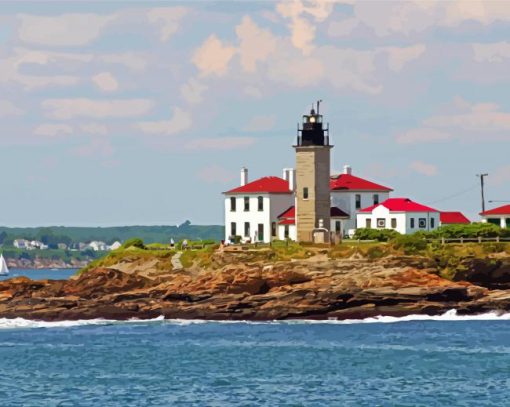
(123, 113)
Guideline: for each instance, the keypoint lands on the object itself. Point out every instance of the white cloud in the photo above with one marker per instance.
(134, 62)
(53, 130)
(423, 168)
(168, 18)
(411, 17)
(220, 143)
(260, 123)
(8, 108)
(181, 120)
(301, 28)
(255, 44)
(65, 109)
(192, 91)
(94, 128)
(212, 58)
(11, 68)
(497, 52)
(64, 30)
(398, 57)
(475, 122)
(106, 81)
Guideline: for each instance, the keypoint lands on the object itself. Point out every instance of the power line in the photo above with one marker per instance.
(455, 195)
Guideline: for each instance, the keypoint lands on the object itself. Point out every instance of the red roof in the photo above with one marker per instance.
(453, 218)
(272, 185)
(401, 205)
(351, 182)
(289, 213)
(289, 216)
(502, 210)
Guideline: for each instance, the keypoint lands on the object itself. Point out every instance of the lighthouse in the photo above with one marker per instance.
(313, 200)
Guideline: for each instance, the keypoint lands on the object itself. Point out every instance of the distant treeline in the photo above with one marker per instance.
(150, 234)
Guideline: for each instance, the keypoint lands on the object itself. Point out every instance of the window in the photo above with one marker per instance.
(260, 203)
(305, 193)
(286, 232)
(432, 223)
(422, 223)
(338, 227)
(247, 229)
(412, 223)
(358, 201)
(273, 229)
(260, 232)
(381, 223)
(246, 203)
(233, 229)
(376, 199)
(394, 223)
(233, 204)
(369, 223)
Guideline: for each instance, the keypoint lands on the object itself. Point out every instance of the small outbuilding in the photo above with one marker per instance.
(499, 216)
(400, 214)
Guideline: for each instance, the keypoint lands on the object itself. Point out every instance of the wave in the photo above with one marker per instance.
(449, 316)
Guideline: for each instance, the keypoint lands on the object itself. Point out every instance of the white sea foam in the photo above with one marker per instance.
(449, 316)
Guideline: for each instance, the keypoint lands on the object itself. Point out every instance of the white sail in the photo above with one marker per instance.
(4, 270)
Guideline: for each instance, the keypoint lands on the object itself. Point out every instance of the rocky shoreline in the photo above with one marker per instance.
(315, 288)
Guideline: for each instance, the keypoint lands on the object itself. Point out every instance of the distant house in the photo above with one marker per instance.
(62, 246)
(98, 246)
(115, 246)
(21, 244)
(400, 214)
(499, 216)
(453, 218)
(36, 244)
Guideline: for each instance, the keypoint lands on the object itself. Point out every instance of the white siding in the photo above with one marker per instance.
(346, 201)
(292, 232)
(273, 205)
(403, 220)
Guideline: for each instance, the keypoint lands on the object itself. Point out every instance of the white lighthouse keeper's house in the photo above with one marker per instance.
(252, 209)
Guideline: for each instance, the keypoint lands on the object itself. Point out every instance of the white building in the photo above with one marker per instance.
(350, 194)
(98, 246)
(21, 244)
(499, 216)
(252, 209)
(400, 214)
(115, 246)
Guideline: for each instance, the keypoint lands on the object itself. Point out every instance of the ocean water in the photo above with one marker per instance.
(41, 274)
(445, 361)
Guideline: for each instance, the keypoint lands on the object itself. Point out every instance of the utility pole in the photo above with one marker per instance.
(482, 186)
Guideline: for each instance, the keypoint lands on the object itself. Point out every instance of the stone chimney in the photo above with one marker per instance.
(244, 176)
(347, 169)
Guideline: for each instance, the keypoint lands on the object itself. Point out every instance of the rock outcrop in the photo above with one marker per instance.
(315, 288)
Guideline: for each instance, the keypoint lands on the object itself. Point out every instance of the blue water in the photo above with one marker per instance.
(41, 274)
(160, 363)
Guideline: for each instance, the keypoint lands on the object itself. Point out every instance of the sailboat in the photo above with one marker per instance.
(4, 270)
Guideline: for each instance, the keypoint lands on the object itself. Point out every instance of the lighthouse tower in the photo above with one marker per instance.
(313, 202)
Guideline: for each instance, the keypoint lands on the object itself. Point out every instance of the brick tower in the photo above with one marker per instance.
(313, 202)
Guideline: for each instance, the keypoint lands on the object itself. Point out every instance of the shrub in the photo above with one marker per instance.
(469, 231)
(410, 244)
(134, 242)
(381, 235)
